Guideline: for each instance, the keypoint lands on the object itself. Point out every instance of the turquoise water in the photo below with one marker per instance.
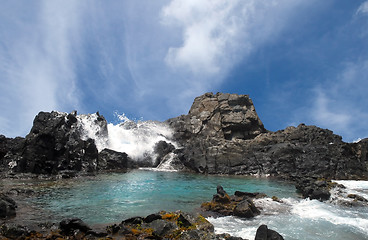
(113, 197)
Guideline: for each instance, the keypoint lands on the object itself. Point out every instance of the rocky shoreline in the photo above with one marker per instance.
(161, 225)
(221, 134)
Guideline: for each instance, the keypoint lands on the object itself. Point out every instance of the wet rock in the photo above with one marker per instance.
(7, 207)
(221, 196)
(240, 205)
(263, 233)
(111, 160)
(68, 226)
(165, 225)
(162, 148)
(246, 209)
(12, 231)
(357, 197)
(314, 189)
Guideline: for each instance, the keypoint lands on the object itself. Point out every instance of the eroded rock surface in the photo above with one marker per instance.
(222, 134)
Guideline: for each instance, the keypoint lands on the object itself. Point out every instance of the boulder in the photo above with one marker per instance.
(112, 160)
(314, 189)
(68, 226)
(263, 233)
(245, 209)
(240, 205)
(7, 207)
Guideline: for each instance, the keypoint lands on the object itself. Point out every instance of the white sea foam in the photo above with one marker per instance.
(166, 165)
(352, 187)
(317, 211)
(136, 138)
(299, 219)
(90, 128)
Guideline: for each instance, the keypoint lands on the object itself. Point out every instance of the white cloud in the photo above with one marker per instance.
(36, 63)
(341, 104)
(217, 34)
(363, 8)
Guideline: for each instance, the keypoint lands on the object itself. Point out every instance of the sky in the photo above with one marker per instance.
(300, 61)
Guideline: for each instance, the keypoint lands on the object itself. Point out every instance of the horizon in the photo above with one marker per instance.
(299, 61)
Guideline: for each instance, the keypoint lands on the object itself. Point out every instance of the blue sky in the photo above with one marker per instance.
(301, 61)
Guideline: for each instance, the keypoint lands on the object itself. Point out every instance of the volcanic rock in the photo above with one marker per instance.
(111, 160)
(240, 205)
(7, 206)
(264, 233)
(222, 134)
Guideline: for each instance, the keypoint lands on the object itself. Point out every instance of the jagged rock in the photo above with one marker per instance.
(314, 189)
(222, 134)
(162, 148)
(7, 207)
(54, 144)
(111, 160)
(240, 205)
(12, 231)
(68, 226)
(57, 144)
(263, 233)
(165, 225)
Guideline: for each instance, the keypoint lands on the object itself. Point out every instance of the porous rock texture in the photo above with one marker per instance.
(222, 134)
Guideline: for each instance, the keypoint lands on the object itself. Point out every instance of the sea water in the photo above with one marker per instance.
(111, 198)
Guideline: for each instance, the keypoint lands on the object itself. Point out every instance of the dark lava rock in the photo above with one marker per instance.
(240, 205)
(162, 148)
(111, 160)
(57, 144)
(263, 233)
(314, 189)
(68, 226)
(222, 134)
(165, 225)
(12, 231)
(7, 207)
(246, 209)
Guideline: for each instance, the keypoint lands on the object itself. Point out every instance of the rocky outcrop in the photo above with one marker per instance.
(162, 225)
(240, 204)
(222, 134)
(57, 143)
(314, 189)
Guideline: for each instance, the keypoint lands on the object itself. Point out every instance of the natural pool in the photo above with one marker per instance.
(111, 198)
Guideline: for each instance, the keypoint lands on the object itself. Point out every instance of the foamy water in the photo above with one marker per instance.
(303, 218)
(136, 138)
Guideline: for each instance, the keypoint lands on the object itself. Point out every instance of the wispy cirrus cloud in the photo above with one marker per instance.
(36, 66)
(150, 58)
(341, 104)
(217, 34)
(363, 8)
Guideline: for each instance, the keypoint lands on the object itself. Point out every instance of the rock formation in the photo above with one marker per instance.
(222, 134)
(240, 204)
(57, 144)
